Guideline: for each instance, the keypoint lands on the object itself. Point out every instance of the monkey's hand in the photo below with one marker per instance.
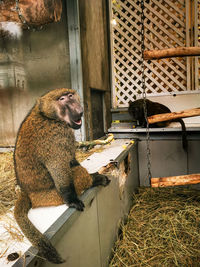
(99, 179)
(77, 204)
(70, 198)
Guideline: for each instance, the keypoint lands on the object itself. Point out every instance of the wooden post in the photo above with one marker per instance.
(172, 52)
(176, 180)
(174, 115)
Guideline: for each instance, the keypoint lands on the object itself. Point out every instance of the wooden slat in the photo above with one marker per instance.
(173, 16)
(172, 52)
(175, 180)
(177, 62)
(174, 115)
(162, 28)
(166, 82)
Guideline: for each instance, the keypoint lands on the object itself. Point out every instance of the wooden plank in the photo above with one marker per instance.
(176, 180)
(172, 52)
(174, 115)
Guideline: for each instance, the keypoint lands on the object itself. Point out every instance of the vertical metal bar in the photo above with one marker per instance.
(113, 93)
(188, 30)
(75, 55)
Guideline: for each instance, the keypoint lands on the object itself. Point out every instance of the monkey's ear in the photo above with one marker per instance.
(47, 108)
(39, 104)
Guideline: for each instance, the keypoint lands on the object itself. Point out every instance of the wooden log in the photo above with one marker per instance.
(176, 180)
(172, 52)
(174, 115)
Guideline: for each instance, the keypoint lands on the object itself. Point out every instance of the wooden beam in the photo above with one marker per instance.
(174, 115)
(176, 180)
(172, 52)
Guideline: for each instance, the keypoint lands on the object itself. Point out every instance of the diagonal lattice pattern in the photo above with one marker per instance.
(164, 28)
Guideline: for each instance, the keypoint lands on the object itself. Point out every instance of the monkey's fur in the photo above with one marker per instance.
(136, 110)
(45, 165)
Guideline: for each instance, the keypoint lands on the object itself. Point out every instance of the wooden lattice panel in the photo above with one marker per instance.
(164, 28)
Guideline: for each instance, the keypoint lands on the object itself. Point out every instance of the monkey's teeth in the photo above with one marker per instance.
(78, 122)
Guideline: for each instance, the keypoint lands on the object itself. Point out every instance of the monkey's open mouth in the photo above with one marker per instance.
(76, 124)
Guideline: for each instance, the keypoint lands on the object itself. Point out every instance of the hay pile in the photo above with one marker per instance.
(163, 229)
(7, 182)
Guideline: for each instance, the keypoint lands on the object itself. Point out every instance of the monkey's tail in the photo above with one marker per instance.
(46, 249)
(184, 134)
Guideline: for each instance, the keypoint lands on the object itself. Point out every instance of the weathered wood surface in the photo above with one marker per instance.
(172, 52)
(174, 115)
(35, 13)
(176, 180)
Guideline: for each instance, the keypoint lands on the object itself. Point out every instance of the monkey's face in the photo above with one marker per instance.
(62, 105)
(70, 110)
(136, 109)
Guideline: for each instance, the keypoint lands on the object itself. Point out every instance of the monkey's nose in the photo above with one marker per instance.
(81, 112)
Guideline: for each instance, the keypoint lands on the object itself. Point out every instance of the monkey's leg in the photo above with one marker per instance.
(46, 249)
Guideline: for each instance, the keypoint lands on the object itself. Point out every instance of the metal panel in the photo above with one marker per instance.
(80, 244)
(167, 159)
(194, 156)
(75, 55)
(114, 204)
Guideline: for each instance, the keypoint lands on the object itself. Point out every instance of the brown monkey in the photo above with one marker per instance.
(45, 165)
(136, 110)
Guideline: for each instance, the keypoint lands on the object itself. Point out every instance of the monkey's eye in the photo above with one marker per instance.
(70, 95)
(62, 98)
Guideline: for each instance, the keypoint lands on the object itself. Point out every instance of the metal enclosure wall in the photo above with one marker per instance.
(86, 239)
(90, 239)
(168, 157)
